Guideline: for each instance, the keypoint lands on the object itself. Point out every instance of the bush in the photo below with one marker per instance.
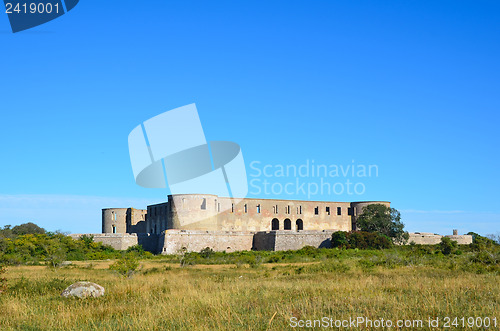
(27, 228)
(360, 240)
(136, 249)
(480, 243)
(339, 239)
(448, 246)
(207, 252)
(126, 265)
(52, 248)
(384, 220)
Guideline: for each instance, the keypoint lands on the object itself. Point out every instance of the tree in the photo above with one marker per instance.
(361, 240)
(126, 265)
(6, 232)
(384, 220)
(339, 239)
(481, 243)
(27, 228)
(447, 245)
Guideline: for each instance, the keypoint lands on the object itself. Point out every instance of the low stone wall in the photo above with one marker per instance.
(461, 239)
(122, 241)
(291, 240)
(422, 238)
(174, 241)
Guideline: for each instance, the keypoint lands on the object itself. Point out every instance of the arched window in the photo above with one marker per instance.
(288, 224)
(275, 224)
(299, 224)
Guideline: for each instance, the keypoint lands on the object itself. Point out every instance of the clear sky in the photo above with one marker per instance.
(409, 86)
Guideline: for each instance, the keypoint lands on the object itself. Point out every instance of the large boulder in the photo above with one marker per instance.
(83, 290)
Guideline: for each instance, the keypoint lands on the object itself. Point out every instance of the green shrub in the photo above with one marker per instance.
(136, 249)
(360, 240)
(339, 239)
(87, 239)
(27, 228)
(206, 252)
(480, 243)
(126, 265)
(448, 246)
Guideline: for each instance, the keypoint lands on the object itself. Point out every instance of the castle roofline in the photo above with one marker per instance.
(293, 200)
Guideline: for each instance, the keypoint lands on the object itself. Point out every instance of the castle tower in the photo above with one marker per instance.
(357, 210)
(114, 220)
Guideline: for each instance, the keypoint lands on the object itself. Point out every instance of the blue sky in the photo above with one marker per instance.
(409, 86)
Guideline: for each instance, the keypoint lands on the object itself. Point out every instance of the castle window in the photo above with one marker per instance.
(114, 228)
(232, 208)
(246, 208)
(258, 209)
(328, 210)
(275, 224)
(204, 204)
(288, 209)
(288, 224)
(300, 209)
(339, 211)
(218, 206)
(316, 211)
(349, 211)
(299, 224)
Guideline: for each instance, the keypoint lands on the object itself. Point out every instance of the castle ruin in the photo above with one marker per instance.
(191, 222)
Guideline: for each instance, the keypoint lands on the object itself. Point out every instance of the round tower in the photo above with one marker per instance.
(194, 211)
(357, 209)
(114, 220)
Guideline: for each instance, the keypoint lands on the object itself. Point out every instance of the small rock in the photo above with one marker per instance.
(83, 290)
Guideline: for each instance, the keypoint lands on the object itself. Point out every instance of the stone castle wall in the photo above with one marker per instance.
(286, 240)
(424, 238)
(175, 241)
(195, 221)
(123, 220)
(122, 241)
(212, 213)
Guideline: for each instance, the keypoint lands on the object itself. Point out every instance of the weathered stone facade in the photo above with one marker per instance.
(191, 222)
(424, 238)
(213, 213)
(194, 221)
(175, 241)
(122, 241)
(124, 220)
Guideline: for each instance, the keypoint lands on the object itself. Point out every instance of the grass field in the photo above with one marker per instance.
(165, 296)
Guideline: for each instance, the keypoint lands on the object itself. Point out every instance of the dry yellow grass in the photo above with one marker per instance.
(223, 297)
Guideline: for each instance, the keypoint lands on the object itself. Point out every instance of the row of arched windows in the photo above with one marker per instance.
(287, 224)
